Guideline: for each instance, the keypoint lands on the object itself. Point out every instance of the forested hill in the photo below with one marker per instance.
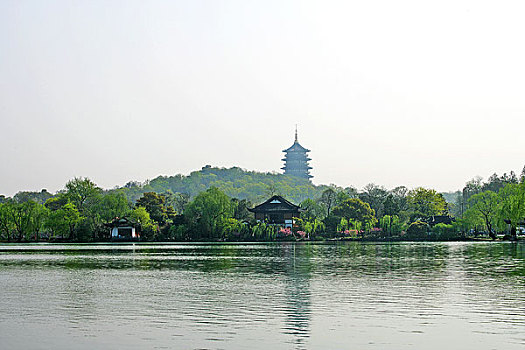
(235, 182)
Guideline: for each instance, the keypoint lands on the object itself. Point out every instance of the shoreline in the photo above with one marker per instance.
(332, 241)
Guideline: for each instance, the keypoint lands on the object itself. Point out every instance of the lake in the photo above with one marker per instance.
(345, 295)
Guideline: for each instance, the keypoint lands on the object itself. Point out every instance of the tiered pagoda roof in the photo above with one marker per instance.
(296, 160)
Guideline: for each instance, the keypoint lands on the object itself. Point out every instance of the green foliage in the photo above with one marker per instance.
(207, 211)
(213, 204)
(355, 211)
(149, 229)
(63, 221)
(178, 201)
(328, 198)
(177, 233)
(444, 232)
(311, 226)
(490, 212)
(157, 207)
(230, 229)
(483, 209)
(6, 224)
(263, 232)
(331, 223)
(37, 197)
(426, 202)
(418, 230)
(21, 221)
(234, 182)
(240, 209)
(110, 206)
(391, 225)
(38, 218)
(311, 210)
(375, 196)
(82, 192)
(511, 200)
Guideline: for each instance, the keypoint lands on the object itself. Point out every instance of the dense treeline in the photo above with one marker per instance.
(234, 182)
(201, 207)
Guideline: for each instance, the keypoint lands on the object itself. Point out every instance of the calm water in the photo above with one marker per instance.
(263, 296)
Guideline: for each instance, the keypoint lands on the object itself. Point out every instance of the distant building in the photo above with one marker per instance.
(296, 160)
(277, 211)
(123, 228)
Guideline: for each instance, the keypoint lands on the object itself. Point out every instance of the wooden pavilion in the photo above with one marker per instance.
(123, 228)
(277, 211)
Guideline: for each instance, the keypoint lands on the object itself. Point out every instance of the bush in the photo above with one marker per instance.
(444, 232)
(418, 230)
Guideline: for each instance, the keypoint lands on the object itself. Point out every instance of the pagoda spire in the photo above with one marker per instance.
(296, 160)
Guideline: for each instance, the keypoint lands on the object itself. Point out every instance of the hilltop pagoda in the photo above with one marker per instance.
(296, 160)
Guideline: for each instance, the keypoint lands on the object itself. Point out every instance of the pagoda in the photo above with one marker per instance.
(296, 160)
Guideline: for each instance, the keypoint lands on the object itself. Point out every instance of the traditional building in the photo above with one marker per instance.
(439, 219)
(123, 228)
(296, 160)
(277, 211)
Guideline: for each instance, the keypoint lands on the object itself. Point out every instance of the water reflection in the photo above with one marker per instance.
(297, 294)
(341, 295)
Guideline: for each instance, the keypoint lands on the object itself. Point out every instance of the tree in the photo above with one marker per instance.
(375, 196)
(399, 195)
(390, 205)
(82, 192)
(207, 210)
(155, 206)
(328, 199)
(511, 200)
(148, 227)
(310, 227)
(56, 202)
(38, 197)
(471, 188)
(485, 204)
(181, 200)
(6, 225)
(426, 202)
(271, 190)
(38, 219)
(311, 210)
(234, 182)
(110, 206)
(496, 183)
(25, 218)
(240, 209)
(418, 230)
(355, 209)
(64, 221)
(390, 224)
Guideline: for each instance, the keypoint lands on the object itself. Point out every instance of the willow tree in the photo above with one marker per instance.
(484, 206)
(207, 211)
(511, 207)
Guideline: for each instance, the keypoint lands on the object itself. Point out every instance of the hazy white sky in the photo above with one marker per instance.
(415, 93)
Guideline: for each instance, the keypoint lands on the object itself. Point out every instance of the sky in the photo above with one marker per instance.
(414, 93)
